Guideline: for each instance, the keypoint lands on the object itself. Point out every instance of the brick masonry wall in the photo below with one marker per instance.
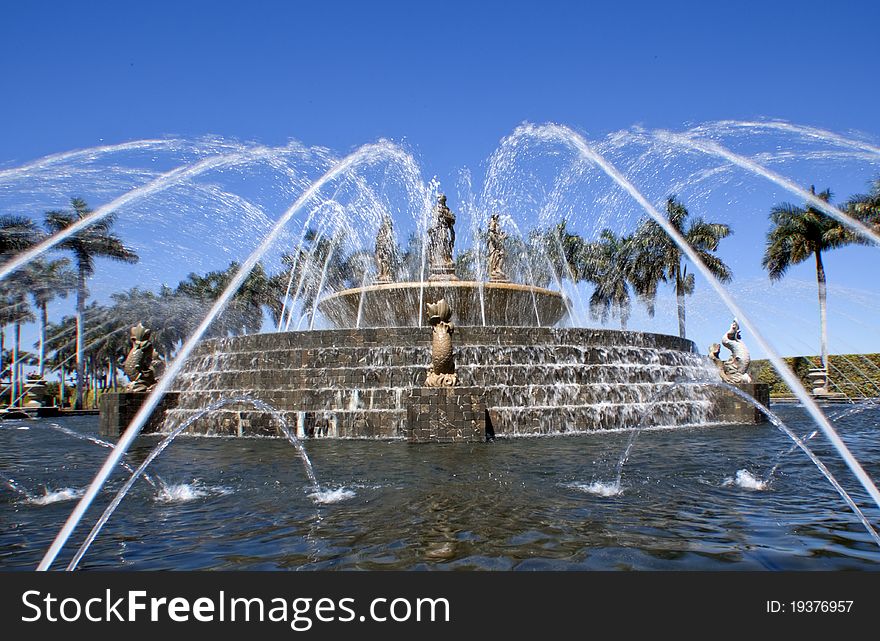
(362, 383)
(117, 409)
(445, 415)
(727, 407)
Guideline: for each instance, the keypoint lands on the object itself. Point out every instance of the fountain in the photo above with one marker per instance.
(448, 353)
(517, 374)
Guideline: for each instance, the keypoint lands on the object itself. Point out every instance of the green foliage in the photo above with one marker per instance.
(659, 259)
(854, 375)
(800, 233)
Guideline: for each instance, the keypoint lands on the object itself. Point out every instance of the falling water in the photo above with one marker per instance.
(282, 424)
(55, 159)
(567, 136)
(776, 421)
(813, 132)
(91, 439)
(713, 148)
(164, 181)
(804, 438)
(367, 153)
(614, 488)
(48, 497)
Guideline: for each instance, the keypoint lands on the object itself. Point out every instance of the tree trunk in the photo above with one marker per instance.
(823, 310)
(13, 394)
(2, 347)
(80, 330)
(94, 384)
(61, 389)
(679, 294)
(44, 320)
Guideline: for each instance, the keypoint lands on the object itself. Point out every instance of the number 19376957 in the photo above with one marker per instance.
(809, 607)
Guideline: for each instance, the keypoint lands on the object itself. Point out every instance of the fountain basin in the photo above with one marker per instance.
(349, 383)
(473, 302)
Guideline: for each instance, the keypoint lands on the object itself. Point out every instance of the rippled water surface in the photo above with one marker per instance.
(690, 499)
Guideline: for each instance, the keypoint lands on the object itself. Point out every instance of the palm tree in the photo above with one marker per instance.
(244, 313)
(799, 233)
(608, 263)
(321, 265)
(94, 241)
(17, 233)
(548, 253)
(17, 311)
(61, 351)
(46, 280)
(659, 259)
(866, 207)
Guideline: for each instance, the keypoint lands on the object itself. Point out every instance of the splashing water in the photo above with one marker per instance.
(640, 423)
(55, 496)
(746, 480)
(565, 135)
(621, 462)
(367, 153)
(185, 492)
(776, 421)
(598, 488)
(18, 489)
(97, 441)
(282, 423)
(328, 496)
(772, 472)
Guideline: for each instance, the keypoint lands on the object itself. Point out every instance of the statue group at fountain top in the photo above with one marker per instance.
(140, 365)
(735, 369)
(441, 244)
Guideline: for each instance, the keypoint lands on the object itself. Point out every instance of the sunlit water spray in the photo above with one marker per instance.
(821, 135)
(778, 423)
(169, 179)
(190, 492)
(712, 148)
(747, 481)
(559, 133)
(367, 153)
(92, 439)
(48, 497)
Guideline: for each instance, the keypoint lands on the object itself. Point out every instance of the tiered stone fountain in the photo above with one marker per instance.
(514, 372)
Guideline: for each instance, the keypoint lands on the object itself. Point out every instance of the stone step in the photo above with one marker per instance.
(535, 420)
(402, 356)
(395, 397)
(244, 420)
(414, 375)
(464, 335)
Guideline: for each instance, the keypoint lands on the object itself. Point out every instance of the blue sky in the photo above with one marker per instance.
(451, 79)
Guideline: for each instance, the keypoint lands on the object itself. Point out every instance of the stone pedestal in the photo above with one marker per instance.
(727, 407)
(118, 408)
(446, 415)
(36, 392)
(818, 381)
(443, 273)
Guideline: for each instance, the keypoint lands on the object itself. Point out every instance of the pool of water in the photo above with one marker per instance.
(690, 499)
